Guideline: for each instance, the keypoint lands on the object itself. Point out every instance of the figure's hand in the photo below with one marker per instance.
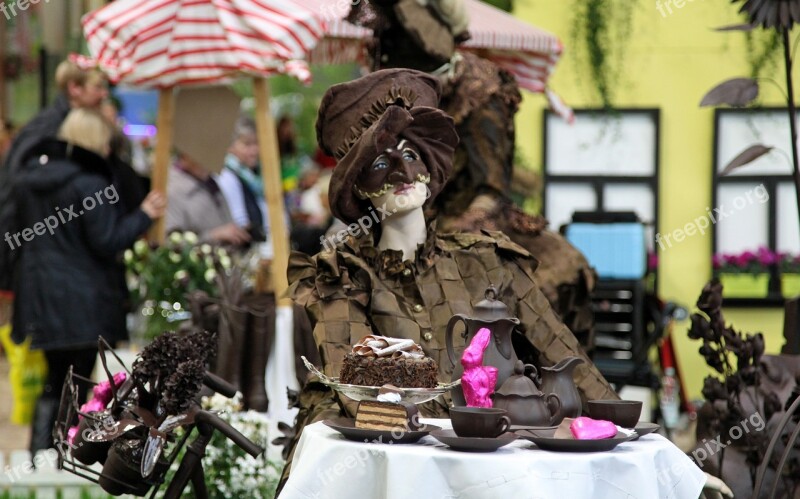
(154, 205)
(229, 233)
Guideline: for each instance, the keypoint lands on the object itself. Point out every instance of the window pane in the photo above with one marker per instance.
(738, 131)
(602, 145)
(742, 218)
(787, 223)
(565, 199)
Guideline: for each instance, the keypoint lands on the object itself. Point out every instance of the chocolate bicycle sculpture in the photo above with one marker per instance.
(130, 425)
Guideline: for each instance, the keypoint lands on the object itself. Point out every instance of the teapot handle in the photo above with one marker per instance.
(552, 399)
(534, 374)
(448, 339)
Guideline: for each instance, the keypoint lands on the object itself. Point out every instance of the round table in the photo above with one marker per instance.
(327, 466)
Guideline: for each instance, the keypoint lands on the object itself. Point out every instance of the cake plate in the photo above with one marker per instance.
(359, 392)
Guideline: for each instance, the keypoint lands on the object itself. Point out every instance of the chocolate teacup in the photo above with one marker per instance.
(479, 422)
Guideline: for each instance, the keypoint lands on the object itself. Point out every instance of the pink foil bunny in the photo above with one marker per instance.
(478, 381)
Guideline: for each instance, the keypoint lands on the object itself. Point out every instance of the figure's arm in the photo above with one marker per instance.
(336, 305)
(551, 338)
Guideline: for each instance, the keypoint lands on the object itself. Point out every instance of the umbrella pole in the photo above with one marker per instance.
(273, 189)
(166, 116)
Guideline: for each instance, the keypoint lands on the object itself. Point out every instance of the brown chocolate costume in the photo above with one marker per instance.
(483, 100)
(354, 289)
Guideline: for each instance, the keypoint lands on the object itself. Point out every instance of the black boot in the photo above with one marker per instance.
(260, 336)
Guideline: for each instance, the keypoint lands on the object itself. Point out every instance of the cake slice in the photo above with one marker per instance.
(387, 416)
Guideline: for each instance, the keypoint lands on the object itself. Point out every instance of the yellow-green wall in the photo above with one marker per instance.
(670, 62)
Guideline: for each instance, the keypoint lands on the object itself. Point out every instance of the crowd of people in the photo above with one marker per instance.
(70, 204)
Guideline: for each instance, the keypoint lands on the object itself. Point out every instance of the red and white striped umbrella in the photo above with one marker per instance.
(528, 52)
(166, 43)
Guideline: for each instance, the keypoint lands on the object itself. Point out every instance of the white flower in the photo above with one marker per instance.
(174, 257)
(128, 255)
(209, 275)
(190, 237)
(140, 247)
(181, 274)
(176, 238)
(206, 249)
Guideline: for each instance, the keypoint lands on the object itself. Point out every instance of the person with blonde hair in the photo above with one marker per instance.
(70, 231)
(78, 88)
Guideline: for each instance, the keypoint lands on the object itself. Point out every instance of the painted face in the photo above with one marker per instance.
(400, 165)
(402, 198)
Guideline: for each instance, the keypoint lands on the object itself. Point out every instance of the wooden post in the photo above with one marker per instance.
(273, 189)
(166, 116)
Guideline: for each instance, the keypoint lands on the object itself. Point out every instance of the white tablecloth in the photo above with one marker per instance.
(326, 466)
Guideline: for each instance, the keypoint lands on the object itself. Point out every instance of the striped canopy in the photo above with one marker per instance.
(165, 43)
(529, 53)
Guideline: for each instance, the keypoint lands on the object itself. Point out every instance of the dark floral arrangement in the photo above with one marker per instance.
(169, 372)
(747, 262)
(736, 358)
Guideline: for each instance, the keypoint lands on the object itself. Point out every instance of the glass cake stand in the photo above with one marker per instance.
(359, 392)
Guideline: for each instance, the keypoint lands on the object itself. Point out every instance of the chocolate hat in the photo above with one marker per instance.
(358, 120)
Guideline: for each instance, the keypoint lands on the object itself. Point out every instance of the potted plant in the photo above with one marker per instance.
(790, 275)
(745, 275)
(160, 278)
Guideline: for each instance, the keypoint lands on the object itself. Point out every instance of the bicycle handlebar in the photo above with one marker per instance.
(229, 431)
(219, 385)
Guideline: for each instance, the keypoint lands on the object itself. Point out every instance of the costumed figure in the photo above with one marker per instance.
(393, 274)
(482, 99)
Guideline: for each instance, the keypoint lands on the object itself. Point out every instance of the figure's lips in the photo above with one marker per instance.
(404, 189)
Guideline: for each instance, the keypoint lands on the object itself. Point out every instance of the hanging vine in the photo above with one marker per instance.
(600, 33)
(763, 49)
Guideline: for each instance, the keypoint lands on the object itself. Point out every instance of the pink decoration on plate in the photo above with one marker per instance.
(592, 429)
(478, 381)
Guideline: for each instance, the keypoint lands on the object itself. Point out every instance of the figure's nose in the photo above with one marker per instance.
(401, 169)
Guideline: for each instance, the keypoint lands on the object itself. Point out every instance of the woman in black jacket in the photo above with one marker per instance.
(69, 278)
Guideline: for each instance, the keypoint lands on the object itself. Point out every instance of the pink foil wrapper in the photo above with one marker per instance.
(478, 381)
(473, 354)
(93, 405)
(102, 391)
(478, 384)
(71, 434)
(592, 429)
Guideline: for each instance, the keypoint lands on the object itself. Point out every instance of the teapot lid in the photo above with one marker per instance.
(518, 384)
(490, 308)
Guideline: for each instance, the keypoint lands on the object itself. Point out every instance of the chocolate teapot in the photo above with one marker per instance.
(525, 404)
(493, 314)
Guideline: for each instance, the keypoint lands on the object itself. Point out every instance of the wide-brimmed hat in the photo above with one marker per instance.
(359, 120)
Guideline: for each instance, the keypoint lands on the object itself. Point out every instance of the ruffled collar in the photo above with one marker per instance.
(390, 263)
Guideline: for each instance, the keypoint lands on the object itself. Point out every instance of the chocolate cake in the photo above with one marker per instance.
(405, 372)
(387, 416)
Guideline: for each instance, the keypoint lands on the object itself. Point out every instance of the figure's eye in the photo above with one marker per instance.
(380, 163)
(409, 155)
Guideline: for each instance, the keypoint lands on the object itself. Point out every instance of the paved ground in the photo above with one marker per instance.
(12, 437)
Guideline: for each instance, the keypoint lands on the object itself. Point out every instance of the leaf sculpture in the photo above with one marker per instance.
(737, 92)
(737, 27)
(745, 157)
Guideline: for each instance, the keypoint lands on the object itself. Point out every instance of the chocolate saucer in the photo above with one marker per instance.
(450, 439)
(347, 427)
(573, 445)
(643, 428)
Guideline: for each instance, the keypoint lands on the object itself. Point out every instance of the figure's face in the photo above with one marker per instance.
(91, 94)
(402, 198)
(245, 148)
(396, 167)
